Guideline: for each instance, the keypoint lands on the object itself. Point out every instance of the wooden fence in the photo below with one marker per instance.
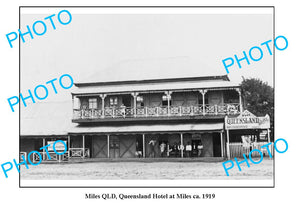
(237, 149)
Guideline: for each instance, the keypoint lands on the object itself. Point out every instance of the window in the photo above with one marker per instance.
(83, 103)
(92, 103)
(113, 101)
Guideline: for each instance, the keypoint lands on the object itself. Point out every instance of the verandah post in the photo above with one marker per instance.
(69, 145)
(168, 95)
(144, 148)
(44, 144)
(103, 105)
(181, 144)
(203, 92)
(240, 99)
(269, 139)
(83, 146)
(222, 145)
(73, 105)
(107, 146)
(134, 94)
(228, 151)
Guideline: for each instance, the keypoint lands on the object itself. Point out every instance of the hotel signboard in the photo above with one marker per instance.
(58, 146)
(247, 120)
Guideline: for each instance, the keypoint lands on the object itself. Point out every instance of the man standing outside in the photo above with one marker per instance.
(200, 148)
(152, 146)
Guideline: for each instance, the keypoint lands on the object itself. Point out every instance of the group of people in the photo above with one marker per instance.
(174, 150)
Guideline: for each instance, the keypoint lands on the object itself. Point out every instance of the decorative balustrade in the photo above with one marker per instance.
(73, 152)
(80, 152)
(159, 111)
(53, 156)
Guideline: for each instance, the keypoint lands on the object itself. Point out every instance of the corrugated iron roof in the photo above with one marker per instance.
(55, 118)
(161, 86)
(46, 118)
(151, 68)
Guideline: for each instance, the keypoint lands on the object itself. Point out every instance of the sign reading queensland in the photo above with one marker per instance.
(247, 120)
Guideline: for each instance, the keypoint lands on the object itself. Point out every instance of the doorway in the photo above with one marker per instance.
(216, 145)
(114, 147)
(163, 143)
(126, 100)
(88, 145)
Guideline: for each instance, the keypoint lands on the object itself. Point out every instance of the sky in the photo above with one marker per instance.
(95, 41)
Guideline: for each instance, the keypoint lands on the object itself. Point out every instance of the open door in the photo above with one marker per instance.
(216, 144)
(114, 147)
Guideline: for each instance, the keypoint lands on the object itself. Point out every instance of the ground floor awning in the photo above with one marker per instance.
(207, 127)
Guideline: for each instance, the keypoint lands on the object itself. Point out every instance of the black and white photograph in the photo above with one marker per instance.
(125, 95)
(149, 106)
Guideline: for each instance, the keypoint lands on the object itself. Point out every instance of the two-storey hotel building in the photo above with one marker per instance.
(169, 118)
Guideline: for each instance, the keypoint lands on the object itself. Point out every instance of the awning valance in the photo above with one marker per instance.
(207, 127)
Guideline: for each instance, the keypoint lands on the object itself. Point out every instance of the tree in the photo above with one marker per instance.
(258, 98)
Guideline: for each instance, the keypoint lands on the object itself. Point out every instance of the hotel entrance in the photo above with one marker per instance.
(114, 149)
(217, 145)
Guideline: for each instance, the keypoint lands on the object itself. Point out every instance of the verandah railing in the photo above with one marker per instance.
(159, 111)
(79, 152)
(72, 153)
(53, 156)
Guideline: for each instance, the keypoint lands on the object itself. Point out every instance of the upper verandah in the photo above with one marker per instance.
(116, 96)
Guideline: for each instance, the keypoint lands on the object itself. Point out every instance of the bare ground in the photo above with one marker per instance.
(146, 170)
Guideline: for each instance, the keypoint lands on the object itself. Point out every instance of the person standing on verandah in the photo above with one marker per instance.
(200, 148)
(152, 146)
(188, 149)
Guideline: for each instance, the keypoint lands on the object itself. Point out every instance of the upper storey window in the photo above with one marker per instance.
(93, 103)
(113, 101)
